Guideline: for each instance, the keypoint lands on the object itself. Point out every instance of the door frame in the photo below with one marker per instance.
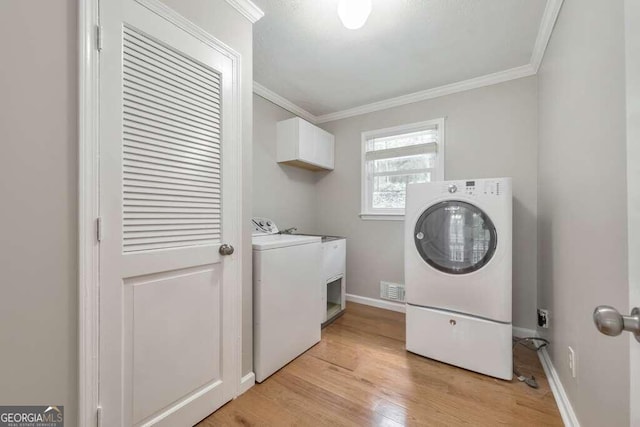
(88, 198)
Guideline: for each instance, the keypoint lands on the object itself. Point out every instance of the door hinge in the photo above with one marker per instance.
(99, 229)
(99, 37)
(99, 416)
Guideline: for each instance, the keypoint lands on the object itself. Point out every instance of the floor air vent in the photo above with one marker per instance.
(392, 291)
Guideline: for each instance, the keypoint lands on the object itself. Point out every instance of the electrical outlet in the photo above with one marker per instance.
(572, 361)
(543, 318)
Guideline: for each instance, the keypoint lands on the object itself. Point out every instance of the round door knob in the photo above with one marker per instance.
(226, 249)
(608, 320)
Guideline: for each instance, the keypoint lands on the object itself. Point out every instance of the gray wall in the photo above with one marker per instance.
(285, 194)
(582, 203)
(490, 132)
(38, 187)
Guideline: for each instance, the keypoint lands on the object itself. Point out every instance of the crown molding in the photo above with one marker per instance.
(548, 22)
(478, 82)
(248, 9)
(269, 95)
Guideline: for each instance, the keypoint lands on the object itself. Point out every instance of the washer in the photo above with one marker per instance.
(286, 296)
(458, 273)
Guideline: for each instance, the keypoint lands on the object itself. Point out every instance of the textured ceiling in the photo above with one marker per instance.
(303, 53)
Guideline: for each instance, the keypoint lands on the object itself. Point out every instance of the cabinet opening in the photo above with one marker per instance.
(334, 297)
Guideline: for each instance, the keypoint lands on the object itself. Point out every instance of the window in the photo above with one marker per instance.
(395, 157)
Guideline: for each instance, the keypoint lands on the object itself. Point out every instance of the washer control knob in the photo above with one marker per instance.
(453, 188)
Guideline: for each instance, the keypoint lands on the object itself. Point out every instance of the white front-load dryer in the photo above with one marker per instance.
(458, 273)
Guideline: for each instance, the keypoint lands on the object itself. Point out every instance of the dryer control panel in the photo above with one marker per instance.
(477, 187)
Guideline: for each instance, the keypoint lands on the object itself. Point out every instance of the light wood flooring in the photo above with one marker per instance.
(361, 375)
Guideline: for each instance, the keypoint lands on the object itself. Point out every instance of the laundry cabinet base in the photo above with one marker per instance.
(334, 256)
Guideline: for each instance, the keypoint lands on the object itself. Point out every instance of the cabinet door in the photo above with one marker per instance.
(324, 150)
(307, 142)
(287, 145)
(334, 260)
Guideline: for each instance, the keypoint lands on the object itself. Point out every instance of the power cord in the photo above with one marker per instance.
(530, 344)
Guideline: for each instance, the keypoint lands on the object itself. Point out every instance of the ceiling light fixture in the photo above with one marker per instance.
(354, 13)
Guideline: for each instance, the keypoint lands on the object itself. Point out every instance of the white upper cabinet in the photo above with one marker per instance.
(304, 145)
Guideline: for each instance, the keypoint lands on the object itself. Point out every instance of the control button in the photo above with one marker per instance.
(268, 223)
(420, 236)
(261, 223)
(453, 188)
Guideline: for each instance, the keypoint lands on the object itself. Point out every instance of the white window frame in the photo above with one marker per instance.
(397, 214)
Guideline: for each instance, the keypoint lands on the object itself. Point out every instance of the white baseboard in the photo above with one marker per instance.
(247, 382)
(387, 305)
(523, 332)
(562, 400)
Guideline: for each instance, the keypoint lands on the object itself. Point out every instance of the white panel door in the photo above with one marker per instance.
(609, 319)
(168, 200)
(632, 47)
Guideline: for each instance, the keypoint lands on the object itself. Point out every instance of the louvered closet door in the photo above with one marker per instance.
(171, 148)
(168, 200)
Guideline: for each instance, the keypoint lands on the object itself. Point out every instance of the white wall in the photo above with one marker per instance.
(285, 194)
(38, 186)
(582, 203)
(490, 132)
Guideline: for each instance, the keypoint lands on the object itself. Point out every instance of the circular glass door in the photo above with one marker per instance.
(455, 237)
